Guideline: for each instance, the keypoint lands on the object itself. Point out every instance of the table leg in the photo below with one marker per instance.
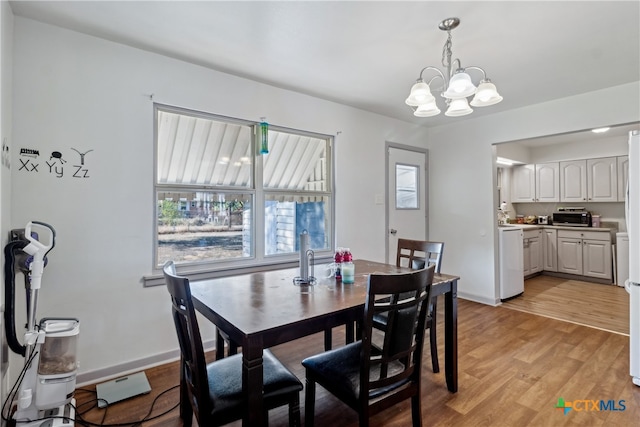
(349, 332)
(252, 384)
(451, 337)
(219, 345)
(328, 339)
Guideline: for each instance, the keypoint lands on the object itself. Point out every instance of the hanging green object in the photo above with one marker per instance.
(264, 137)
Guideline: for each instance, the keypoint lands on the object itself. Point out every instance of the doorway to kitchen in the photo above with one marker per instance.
(547, 294)
(406, 195)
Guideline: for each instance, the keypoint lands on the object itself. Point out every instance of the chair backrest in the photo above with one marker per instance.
(404, 299)
(194, 367)
(419, 253)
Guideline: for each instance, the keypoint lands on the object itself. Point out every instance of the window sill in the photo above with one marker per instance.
(158, 279)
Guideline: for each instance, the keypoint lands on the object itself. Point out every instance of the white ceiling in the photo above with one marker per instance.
(368, 54)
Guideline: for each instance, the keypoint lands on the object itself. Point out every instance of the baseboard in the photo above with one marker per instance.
(576, 277)
(115, 371)
(479, 299)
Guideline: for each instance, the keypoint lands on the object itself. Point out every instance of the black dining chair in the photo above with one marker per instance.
(417, 254)
(371, 377)
(214, 391)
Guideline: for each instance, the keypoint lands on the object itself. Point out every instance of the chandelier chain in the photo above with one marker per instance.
(446, 51)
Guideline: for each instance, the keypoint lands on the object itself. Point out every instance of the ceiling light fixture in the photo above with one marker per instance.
(600, 130)
(456, 85)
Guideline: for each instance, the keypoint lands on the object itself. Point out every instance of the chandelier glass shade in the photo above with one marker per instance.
(457, 85)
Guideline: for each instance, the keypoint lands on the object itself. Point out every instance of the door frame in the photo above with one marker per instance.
(398, 146)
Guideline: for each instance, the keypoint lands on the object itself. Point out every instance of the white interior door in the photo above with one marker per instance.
(406, 196)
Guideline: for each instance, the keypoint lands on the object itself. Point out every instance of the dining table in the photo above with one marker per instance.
(267, 308)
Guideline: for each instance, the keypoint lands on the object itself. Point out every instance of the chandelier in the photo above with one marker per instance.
(456, 85)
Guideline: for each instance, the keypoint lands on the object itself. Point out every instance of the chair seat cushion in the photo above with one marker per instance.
(339, 370)
(225, 382)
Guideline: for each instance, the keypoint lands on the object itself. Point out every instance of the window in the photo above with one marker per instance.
(407, 179)
(221, 204)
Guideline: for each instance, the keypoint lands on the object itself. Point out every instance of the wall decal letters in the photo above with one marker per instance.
(28, 163)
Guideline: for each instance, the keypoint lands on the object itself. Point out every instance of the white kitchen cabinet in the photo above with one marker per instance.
(549, 249)
(573, 181)
(570, 255)
(623, 176)
(523, 184)
(532, 252)
(535, 183)
(547, 182)
(602, 179)
(591, 180)
(596, 259)
(585, 253)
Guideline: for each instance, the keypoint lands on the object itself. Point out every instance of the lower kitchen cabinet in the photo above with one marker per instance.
(532, 252)
(585, 253)
(549, 249)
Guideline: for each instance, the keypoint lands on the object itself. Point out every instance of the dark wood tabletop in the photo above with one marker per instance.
(264, 309)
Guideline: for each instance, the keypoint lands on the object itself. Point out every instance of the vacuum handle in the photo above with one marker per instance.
(36, 245)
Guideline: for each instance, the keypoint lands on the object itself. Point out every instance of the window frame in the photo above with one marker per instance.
(417, 181)
(258, 260)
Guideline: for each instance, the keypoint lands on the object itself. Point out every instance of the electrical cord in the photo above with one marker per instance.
(80, 420)
(16, 387)
(78, 414)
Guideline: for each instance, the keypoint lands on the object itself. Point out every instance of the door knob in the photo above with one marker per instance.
(393, 231)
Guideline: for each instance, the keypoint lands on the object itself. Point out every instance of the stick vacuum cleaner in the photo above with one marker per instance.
(43, 393)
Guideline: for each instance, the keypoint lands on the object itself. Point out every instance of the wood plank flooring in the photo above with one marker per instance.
(513, 368)
(598, 306)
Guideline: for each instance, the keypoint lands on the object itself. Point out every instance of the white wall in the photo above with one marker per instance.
(462, 174)
(72, 90)
(601, 147)
(591, 149)
(6, 61)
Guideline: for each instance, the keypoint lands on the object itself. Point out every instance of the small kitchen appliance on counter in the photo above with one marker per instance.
(545, 220)
(572, 217)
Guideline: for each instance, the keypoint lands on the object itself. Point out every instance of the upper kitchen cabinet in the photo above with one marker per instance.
(602, 179)
(535, 183)
(573, 181)
(591, 180)
(523, 184)
(547, 182)
(623, 177)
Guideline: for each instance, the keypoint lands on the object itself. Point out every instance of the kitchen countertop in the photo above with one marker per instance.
(558, 227)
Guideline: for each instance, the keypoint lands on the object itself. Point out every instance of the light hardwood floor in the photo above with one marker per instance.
(599, 306)
(513, 368)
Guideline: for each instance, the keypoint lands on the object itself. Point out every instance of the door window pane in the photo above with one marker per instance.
(407, 179)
